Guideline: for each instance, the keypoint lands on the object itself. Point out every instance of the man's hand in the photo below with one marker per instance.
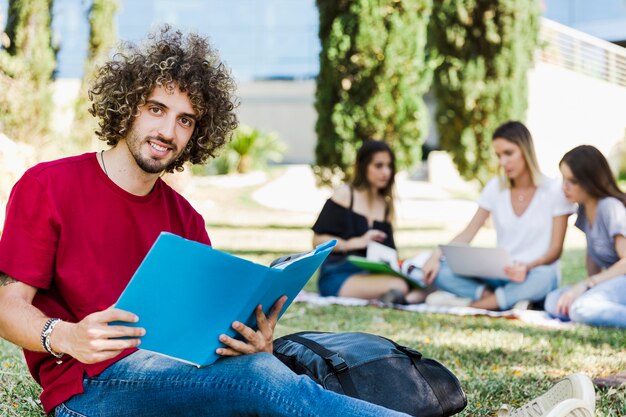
(92, 339)
(256, 341)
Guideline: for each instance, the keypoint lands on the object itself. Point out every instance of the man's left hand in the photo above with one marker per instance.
(260, 340)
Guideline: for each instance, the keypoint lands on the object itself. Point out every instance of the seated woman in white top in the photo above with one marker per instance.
(600, 299)
(530, 215)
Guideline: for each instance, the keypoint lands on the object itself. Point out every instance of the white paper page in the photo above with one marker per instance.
(381, 253)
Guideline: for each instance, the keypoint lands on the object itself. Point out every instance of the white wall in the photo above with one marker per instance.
(566, 109)
(284, 107)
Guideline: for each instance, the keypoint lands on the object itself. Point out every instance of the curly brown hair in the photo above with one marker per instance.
(169, 59)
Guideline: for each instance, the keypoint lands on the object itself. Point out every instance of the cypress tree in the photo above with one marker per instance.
(373, 75)
(27, 63)
(102, 37)
(485, 48)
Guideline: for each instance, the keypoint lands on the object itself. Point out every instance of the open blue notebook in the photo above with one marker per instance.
(186, 294)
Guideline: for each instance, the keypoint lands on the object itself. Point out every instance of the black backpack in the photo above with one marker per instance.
(374, 369)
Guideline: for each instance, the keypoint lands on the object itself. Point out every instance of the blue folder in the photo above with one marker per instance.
(186, 294)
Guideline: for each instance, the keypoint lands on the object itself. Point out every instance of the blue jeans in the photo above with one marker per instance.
(538, 283)
(602, 305)
(146, 384)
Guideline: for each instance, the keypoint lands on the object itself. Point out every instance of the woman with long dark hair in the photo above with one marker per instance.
(599, 299)
(356, 214)
(529, 213)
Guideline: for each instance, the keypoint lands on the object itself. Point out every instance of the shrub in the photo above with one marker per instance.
(373, 75)
(102, 36)
(485, 48)
(27, 63)
(249, 148)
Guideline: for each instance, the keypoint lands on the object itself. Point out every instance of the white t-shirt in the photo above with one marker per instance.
(526, 237)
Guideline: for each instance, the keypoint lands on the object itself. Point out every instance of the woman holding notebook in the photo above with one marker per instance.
(529, 213)
(600, 299)
(357, 214)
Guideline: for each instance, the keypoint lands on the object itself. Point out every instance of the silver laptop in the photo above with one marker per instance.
(476, 262)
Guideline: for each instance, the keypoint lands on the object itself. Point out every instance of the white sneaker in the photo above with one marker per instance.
(444, 298)
(573, 396)
(572, 407)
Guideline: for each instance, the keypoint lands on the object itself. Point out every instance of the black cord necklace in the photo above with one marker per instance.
(103, 165)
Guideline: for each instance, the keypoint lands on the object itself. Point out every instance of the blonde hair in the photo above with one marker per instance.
(517, 133)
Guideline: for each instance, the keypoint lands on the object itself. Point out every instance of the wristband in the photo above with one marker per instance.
(45, 337)
(590, 283)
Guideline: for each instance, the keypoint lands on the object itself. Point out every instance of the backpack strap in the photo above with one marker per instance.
(427, 374)
(336, 362)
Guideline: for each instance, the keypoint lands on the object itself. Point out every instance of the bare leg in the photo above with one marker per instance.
(372, 286)
(417, 296)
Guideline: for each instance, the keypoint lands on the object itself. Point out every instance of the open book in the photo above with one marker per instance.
(186, 294)
(382, 259)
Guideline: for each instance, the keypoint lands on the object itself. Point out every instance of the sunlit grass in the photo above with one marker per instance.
(497, 360)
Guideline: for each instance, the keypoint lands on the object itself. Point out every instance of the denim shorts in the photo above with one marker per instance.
(333, 274)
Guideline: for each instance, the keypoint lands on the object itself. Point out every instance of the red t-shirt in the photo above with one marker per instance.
(78, 237)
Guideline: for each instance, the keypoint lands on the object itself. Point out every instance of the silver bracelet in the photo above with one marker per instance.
(45, 337)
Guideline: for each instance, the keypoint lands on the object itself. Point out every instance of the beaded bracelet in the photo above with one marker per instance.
(45, 337)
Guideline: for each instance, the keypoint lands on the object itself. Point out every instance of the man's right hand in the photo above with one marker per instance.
(93, 340)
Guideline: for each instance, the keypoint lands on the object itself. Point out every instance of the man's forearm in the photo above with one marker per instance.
(90, 340)
(20, 322)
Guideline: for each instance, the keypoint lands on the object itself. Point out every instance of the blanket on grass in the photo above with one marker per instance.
(536, 318)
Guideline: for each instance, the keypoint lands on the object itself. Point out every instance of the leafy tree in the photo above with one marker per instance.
(102, 36)
(27, 63)
(373, 75)
(485, 48)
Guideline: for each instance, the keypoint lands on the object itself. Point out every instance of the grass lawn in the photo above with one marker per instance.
(497, 360)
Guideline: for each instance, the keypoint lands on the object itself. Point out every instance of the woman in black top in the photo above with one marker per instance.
(355, 215)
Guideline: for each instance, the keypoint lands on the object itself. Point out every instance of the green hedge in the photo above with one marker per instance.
(373, 75)
(27, 64)
(485, 48)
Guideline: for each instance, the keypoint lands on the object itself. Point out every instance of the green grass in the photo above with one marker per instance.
(497, 360)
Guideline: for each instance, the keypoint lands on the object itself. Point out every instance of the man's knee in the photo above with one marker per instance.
(264, 366)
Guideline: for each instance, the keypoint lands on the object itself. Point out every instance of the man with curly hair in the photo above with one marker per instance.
(77, 228)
